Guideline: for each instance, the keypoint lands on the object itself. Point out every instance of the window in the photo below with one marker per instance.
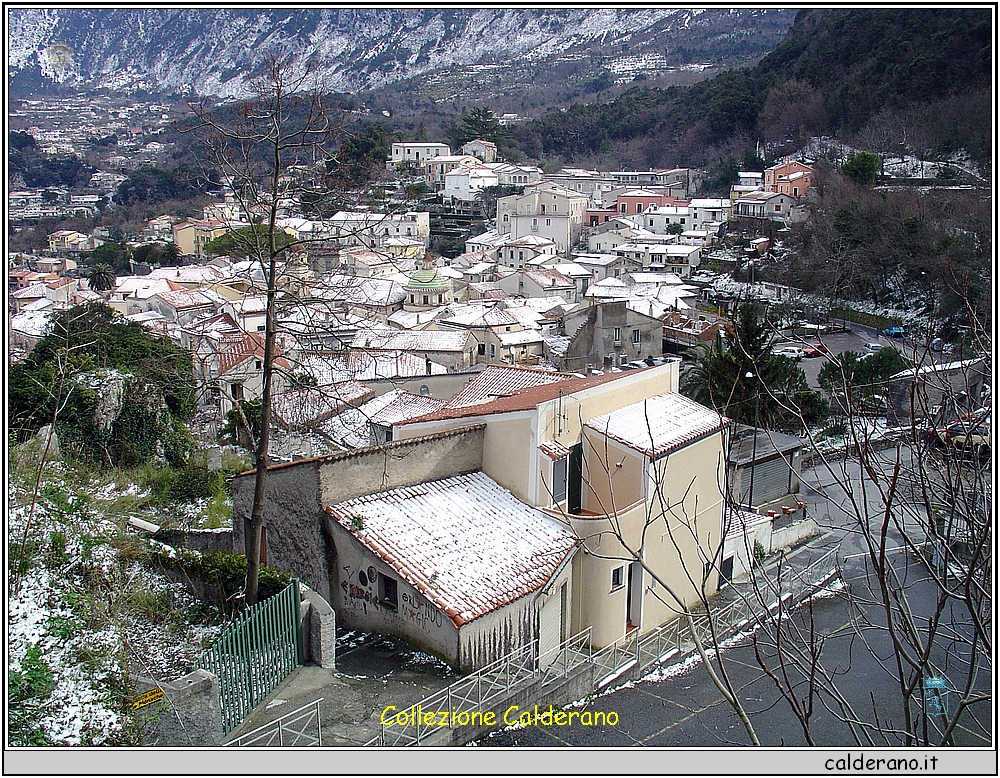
(482, 349)
(257, 364)
(618, 334)
(548, 222)
(555, 208)
(617, 578)
(520, 255)
(559, 470)
(493, 350)
(635, 336)
(541, 208)
(236, 390)
(682, 220)
(425, 299)
(260, 328)
(506, 217)
(777, 207)
(388, 591)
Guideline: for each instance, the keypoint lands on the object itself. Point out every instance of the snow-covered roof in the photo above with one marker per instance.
(359, 290)
(32, 323)
(307, 405)
(499, 381)
(411, 340)
(520, 338)
(189, 274)
(659, 425)
(399, 405)
(367, 366)
(465, 543)
(935, 368)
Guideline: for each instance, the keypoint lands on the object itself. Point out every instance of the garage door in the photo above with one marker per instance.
(550, 626)
(770, 481)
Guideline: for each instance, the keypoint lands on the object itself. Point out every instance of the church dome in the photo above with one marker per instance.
(428, 278)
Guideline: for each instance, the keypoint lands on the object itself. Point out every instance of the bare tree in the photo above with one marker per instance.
(286, 123)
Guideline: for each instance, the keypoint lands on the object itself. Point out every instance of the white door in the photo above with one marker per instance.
(550, 627)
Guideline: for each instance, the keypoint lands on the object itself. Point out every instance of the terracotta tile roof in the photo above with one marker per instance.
(501, 381)
(246, 346)
(398, 405)
(311, 404)
(659, 425)
(524, 399)
(465, 543)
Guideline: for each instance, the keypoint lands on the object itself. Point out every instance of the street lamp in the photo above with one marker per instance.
(753, 455)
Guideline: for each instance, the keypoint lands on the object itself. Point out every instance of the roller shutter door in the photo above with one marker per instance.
(770, 481)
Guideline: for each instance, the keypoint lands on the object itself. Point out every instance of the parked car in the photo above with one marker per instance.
(636, 364)
(792, 352)
(815, 350)
(894, 332)
(872, 348)
(969, 434)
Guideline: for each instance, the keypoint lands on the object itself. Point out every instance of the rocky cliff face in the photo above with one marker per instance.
(211, 52)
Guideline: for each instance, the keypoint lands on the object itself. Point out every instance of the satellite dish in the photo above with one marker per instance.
(424, 390)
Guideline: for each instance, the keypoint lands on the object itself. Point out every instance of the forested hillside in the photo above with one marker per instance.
(926, 72)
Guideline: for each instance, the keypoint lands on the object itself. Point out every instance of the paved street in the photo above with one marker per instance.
(685, 708)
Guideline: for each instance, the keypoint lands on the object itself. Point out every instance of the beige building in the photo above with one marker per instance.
(622, 445)
(545, 210)
(192, 235)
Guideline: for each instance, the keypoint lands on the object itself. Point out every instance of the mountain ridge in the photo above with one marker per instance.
(211, 52)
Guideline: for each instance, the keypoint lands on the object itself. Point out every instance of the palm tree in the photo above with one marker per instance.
(102, 277)
(170, 255)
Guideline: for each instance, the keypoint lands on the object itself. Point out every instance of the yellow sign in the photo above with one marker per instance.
(147, 698)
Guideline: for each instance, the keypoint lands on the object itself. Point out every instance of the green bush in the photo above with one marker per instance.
(195, 482)
(27, 689)
(227, 572)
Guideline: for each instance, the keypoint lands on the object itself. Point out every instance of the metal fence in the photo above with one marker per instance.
(300, 728)
(474, 692)
(634, 653)
(254, 654)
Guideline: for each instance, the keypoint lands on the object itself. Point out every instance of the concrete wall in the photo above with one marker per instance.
(187, 715)
(506, 629)
(198, 539)
(791, 534)
(297, 494)
(356, 600)
(507, 444)
(318, 626)
(401, 463)
(607, 486)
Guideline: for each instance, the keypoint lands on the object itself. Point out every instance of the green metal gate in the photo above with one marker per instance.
(254, 654)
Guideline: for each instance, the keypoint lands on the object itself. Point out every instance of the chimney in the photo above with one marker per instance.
(427, 364)
(607, 365)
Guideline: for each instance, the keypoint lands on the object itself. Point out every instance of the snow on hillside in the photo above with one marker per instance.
(86, 612)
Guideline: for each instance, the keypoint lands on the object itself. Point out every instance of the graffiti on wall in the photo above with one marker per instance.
(423, 614)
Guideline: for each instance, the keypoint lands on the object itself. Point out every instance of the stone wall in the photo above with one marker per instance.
(296, 495)
(187, 715)
(198, 539)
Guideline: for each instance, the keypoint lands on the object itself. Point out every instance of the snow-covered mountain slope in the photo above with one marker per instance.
(212, 51)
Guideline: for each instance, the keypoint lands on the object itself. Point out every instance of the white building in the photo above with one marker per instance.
(463, 183)
(415, 152)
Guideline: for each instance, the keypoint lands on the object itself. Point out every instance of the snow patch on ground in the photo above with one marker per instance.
(88, 614)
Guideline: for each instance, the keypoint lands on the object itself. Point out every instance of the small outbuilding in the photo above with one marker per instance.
(457, 566)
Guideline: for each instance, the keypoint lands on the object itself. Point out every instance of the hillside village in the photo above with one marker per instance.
(478, 445)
